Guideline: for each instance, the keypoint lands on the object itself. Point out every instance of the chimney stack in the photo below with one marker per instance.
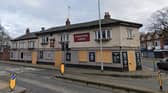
(42, 28)
(27, 31)
(107, 15)
(68, 23)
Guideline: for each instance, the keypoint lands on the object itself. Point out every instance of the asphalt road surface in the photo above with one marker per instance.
(43, 81)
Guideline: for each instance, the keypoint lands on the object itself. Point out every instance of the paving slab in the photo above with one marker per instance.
(137, 74)
(109, 82)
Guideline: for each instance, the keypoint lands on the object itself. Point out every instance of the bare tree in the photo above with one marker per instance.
(159, 20)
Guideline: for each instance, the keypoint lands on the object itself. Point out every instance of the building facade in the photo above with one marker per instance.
(154, 44)
(121, 45)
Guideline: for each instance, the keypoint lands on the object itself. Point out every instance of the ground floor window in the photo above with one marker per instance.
(68, 56)
(92, 56)
(125, 59)
(41, 54)
(11, 54)
(138, 58)
(116, 57)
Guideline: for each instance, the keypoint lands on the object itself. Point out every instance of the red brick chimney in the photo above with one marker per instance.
(27, 30)
(107, 15)
(68, 23)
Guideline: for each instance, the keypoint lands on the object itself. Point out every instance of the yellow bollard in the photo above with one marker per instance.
(161, 85)
(12, 82)
(160, 81)
(62, 69)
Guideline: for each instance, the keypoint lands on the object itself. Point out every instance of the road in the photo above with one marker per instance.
(148, 64)
(43, 81)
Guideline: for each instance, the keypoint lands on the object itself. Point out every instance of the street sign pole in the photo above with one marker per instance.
(100, 31)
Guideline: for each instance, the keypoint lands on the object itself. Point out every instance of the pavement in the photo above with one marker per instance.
(4, 88)
(140, 81)
(137, 74)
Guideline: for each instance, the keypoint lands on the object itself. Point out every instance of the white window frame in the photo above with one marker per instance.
(64, 37)
(106, 34)
(31, 44)
(45, 39)
(21, 44)
(130, 33)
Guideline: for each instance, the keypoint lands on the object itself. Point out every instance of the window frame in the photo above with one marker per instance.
(31, 44)
(94, 57)
(64, 37)
(106, 34)
(44, 39)
(118, 59)
(130, 33)
(52, 43)
(41, 56)
(68, 56)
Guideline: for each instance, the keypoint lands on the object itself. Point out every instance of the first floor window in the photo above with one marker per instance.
(92, 56)
(44, 40)
(130, 33)
(116, 57)
(31, 44)
(105, 34)
(52, 42)
(68, 56)
(64, 37)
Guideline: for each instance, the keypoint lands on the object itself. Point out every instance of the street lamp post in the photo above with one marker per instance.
(100, 31)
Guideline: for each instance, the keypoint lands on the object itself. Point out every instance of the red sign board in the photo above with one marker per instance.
(83, 37)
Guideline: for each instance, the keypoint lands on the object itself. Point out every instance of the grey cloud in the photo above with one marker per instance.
(16, 15)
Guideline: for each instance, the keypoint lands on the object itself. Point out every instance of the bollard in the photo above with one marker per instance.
(62, 69)
(12, 82)
(161, 84)
(160, 81)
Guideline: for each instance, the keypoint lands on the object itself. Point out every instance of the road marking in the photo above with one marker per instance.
(21, 69)
(59, 89)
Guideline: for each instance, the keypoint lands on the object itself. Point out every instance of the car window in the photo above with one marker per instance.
(166, 60)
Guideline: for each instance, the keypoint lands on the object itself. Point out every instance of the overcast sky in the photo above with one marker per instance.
(17, 15)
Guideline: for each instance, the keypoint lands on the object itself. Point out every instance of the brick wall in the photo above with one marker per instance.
(5, 54)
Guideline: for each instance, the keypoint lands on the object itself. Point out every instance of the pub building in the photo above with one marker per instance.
(78, 45)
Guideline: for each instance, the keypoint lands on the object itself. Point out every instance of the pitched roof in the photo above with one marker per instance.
(33, 35)
(26, 36)
(91, 24)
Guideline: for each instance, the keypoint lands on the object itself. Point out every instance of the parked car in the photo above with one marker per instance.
(163, 64)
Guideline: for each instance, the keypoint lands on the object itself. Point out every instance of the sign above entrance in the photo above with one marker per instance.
(83, 37)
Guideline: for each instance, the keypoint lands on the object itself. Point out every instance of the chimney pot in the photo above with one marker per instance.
(107, 15)
(27, 31)
(68, 23)
(42, 28)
